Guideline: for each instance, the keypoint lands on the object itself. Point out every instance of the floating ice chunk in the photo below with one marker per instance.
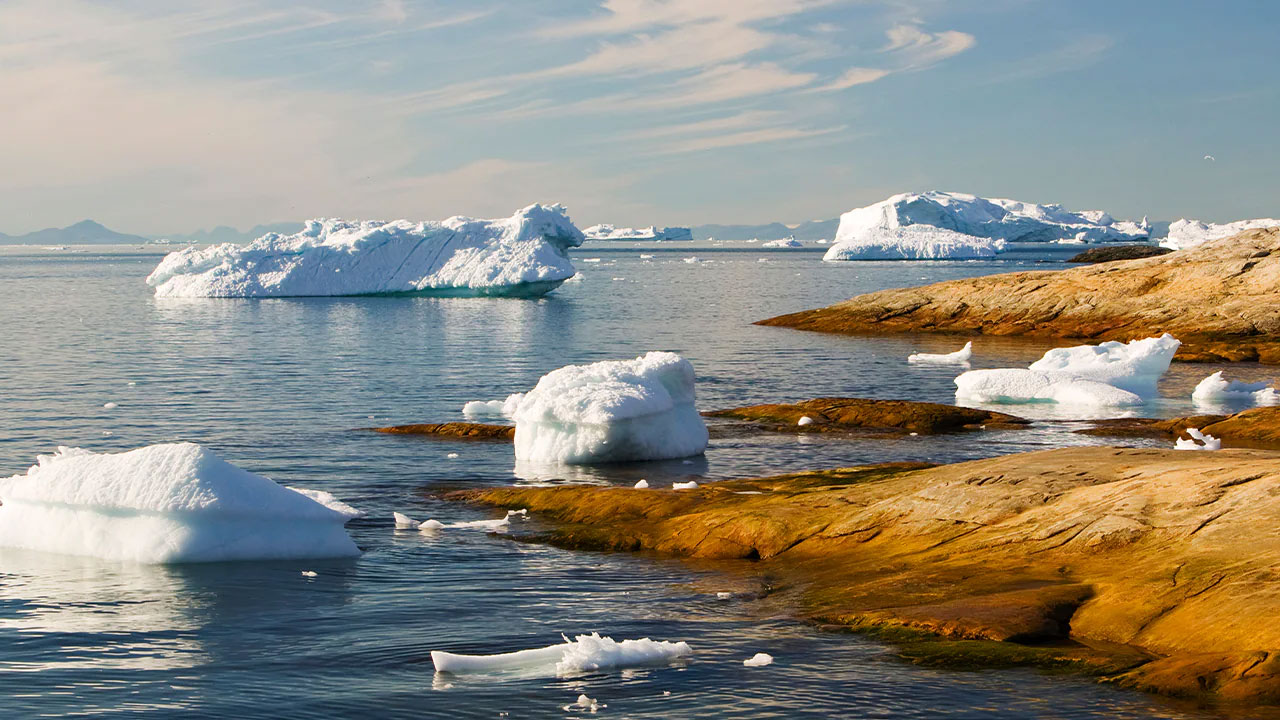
(804, 420)
(494, 408)
(164, 504)
(646, 257)
(1135, 366)
(758, 660)
(692, 259)
(1215, 390)
(430, 526)
(404, 522)
(642, 485)
(453, 456)
(592, 260)
(584, 653)
(585, 702)
(1198, 441)
(309, 573)
(724, 595)
(1028, 386)
(328, 500)
(789, 242)
(524, 255)
(959, 357)
(1185, 233)
(611, 411)
(496, 524)
(913, 242)
(691, 485)
(110, 406)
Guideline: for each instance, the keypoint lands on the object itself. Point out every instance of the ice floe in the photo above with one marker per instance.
(1216, 390)
(1198, 441)
(404, 522)
(611, 411)
(758, 660)
(1185, 233)
(523, 255)
(959, 357)
(584, 653)
(1108, 374)
(165, 504)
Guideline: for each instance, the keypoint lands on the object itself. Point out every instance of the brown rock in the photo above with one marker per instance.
(848, 414)
(454, 431)
(1112, 253)
(1256, 428)
(1155, 568)
(1221, 299)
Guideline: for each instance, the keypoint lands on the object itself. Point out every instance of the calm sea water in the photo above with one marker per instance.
(281, 387)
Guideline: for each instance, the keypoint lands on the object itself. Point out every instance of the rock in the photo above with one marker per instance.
(454, 430)
(1111, 253)
(1221, 299)
(1256, 428)
(1155, 569)
(882, 416)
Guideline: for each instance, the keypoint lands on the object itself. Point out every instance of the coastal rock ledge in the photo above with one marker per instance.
(1221, 299)
(1153, 569)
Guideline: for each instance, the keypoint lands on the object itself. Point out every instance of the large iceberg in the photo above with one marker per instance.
(605, 231)
(1185, 233)
(168, 503)
(1109, 374)
(938, 225)
(611, 411)
(525, 255)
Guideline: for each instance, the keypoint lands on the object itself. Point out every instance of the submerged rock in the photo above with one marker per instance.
(1222, 299)
(854, 414)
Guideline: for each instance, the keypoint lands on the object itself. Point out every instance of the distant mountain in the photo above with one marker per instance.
(84, 232)
(808, 230)
(225, 233)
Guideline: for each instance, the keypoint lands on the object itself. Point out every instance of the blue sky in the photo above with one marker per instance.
(156, 116)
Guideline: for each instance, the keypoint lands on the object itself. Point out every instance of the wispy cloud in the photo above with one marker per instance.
(917, 49)
(745, 137)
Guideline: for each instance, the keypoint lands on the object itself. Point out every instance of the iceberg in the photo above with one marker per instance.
(525, 255)
(605, 231)
(914, 242)
(1185, 233)
(171, 503)
(1108, 374)
(1216, 390)
(611, 411)
(788, 242)
(585, 653)
(959, 357)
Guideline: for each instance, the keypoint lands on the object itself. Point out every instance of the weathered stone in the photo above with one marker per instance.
(1112, 253)
(454, 431)
(851, 414)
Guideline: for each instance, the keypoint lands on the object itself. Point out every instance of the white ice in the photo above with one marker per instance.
(605, 231)
(788, 242)
(523, 255)
(164, 504)
(804, 420)
(1108, 374)
(691, 485)
(758, 660)
(642, 485)
(493, 408)
(501, 523)
(912, 242)
(1185, 233)
(404, 522)
(1215, 390)
(611, 411)
(1198, 441)
(584, 653)
(959, 357)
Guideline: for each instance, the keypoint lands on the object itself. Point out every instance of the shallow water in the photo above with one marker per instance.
(281, 386)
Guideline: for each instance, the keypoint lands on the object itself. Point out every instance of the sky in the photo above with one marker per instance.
(157, 116)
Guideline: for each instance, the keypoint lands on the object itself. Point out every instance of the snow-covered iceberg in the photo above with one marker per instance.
(605, 231)
(611, 411)
(524, 255)
(168, 503)
(1108, 374)
(1185, 233)
(1216, 390)
(585, 653)
(787, 242)
(949, 225)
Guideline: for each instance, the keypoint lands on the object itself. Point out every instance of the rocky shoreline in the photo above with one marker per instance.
(1151, 569)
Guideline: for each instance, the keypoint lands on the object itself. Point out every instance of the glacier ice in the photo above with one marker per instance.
(1216, 390)
(168, 503)
(959, 357)
(1108, 374)
(523, 255)
(1185, 233)
(611, 411)
(584, 653)
(605, 231)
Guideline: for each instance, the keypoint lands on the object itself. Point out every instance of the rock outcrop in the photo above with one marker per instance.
(1221, 299)
(1112, 253)
(855, 415)
(1256, 428)
(454, 431)
(1155, 569)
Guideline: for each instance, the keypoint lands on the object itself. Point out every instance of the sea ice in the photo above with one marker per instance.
(758, 660)
(164, 504)
(524, 255)
(959, 357)
(1215, 390)
(1185, 233)
(584, 653)
(1198, 441)
(611, 411)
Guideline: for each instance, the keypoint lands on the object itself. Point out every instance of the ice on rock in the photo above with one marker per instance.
(1185, 233)
(959, 357)
(804, 420)
(758, 660)
(1110, 374)
(642, 485)
(611, 411)
(165, 504)
(404, 522)
(691, 485)
(1215, 390)
(523, 255)
(1198, 441)
(585, 653)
